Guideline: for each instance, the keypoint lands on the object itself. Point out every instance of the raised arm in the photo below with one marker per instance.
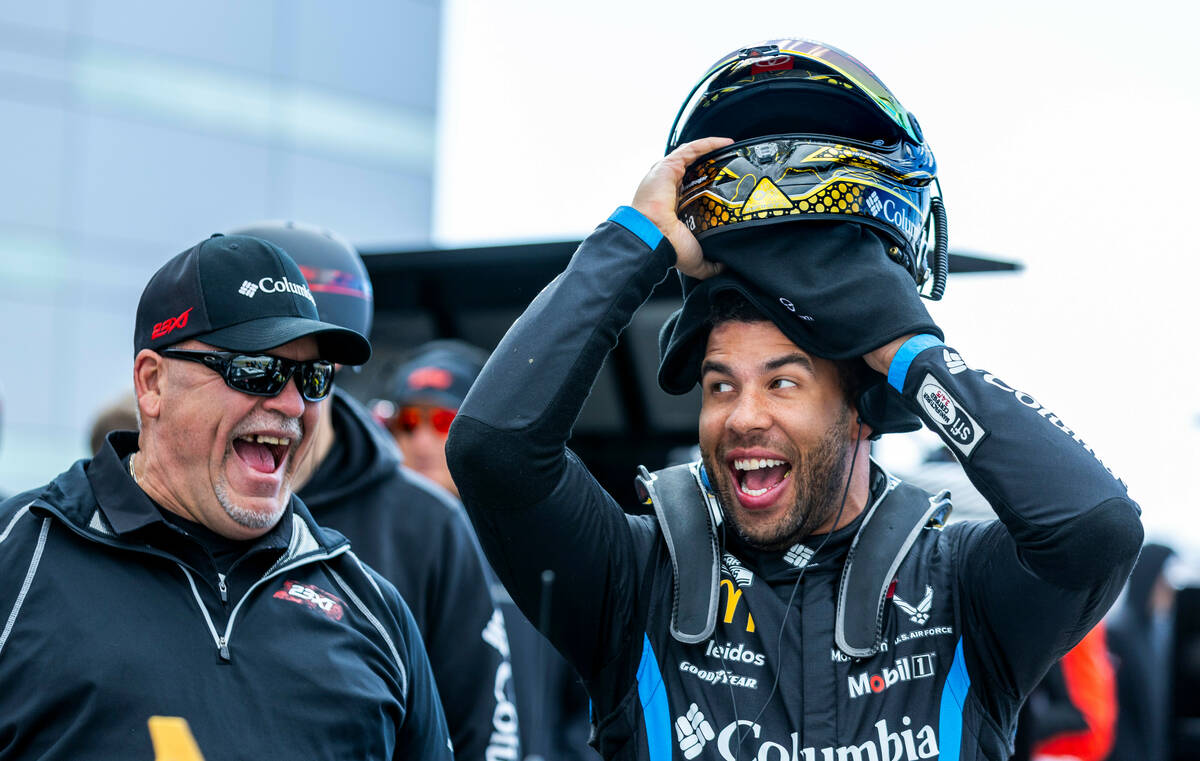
(1033, 585)
(534, 505)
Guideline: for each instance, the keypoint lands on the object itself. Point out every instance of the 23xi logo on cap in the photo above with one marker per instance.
(166, 326)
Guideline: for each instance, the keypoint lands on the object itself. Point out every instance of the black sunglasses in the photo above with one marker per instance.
(262, 374)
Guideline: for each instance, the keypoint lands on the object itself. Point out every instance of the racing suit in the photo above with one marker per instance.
(975, 615)
(113, 615)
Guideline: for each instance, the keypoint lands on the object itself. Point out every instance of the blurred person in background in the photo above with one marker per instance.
(1140, 639)
(118, 415)
(175, 574)
(1072, 714)
(401, 525)
(426, 390)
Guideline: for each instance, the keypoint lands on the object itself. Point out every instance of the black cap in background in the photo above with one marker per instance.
(333, 268)
(439, 373)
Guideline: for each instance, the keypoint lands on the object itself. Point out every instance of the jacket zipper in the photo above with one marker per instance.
(222, 641)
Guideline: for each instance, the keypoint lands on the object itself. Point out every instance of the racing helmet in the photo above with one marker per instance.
(817, 137)
(335, 272)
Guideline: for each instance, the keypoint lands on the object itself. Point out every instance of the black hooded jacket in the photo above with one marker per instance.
(415, 534)
(114, 615)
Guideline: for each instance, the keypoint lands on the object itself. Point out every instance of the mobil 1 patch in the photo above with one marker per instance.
(947, 414)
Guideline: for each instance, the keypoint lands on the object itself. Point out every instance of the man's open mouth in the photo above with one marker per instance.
(262, 452)
(757, 476)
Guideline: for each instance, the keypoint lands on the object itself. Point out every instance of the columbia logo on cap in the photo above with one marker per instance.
(268, 285)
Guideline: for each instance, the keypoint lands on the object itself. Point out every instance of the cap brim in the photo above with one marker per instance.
(682, 350)
(334, 343)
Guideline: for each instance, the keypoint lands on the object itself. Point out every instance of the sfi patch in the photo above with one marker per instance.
(945, 411)
(312, 597)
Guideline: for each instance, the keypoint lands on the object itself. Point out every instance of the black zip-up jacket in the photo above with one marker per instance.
(416, 535)
(113, 615)
(976, 614)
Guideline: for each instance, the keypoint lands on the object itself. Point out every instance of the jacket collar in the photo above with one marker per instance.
(123, 505)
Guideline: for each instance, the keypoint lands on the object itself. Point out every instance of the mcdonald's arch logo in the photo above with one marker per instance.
(732, 596)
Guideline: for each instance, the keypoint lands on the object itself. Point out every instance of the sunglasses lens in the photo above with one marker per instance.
(316, 380)
(409, 419)
(256, 374)
(441, 418)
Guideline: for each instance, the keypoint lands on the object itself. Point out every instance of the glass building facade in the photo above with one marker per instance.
(131, 130)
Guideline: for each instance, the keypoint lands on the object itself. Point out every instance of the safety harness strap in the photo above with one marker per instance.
(883, 540)
(688, 514)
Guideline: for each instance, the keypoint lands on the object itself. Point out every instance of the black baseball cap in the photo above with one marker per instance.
(238, 293)
(439, 373)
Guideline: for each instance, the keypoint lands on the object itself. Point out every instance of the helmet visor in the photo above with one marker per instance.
(783, 178)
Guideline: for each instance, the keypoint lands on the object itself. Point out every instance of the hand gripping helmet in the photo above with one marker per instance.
(818, 136)
(335, 272)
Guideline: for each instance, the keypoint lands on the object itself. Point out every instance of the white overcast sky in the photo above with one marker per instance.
(1065, 136)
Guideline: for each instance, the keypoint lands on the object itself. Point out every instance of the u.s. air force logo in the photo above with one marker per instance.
(918, 613)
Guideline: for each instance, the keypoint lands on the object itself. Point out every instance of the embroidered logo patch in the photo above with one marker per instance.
(904, 669)
(312, 597)
(166, 326)
(918, 613)
(693, 732)
(948, 415)
(742, 575)
(799, 555)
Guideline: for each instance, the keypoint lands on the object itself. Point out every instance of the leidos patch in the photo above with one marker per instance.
(950, 416)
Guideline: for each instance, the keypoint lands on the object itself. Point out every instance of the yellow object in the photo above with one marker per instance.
(173, 739)
(766, 197)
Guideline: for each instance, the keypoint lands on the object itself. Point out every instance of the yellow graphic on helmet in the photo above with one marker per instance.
(766, 197)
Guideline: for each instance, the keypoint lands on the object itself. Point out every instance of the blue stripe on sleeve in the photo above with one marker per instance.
(633, 221)
(655, 711)
(950, 714)
(898, 370)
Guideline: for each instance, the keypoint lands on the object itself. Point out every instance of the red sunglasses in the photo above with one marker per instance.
(409, 418)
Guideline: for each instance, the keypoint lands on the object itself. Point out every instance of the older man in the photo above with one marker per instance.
(175, 574)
